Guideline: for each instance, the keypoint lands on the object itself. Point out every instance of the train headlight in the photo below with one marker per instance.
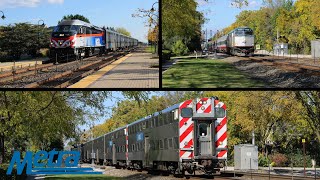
(204, 102)
(203, 108)
(220, 143)
(201, 102)
(185, 143)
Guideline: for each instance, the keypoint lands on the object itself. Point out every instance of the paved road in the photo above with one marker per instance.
(132, 71)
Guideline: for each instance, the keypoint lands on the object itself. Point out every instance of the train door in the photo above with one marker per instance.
(205, 138)
(82, 32)
(114, 160)
(146, 151)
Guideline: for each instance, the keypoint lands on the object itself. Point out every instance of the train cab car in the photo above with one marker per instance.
(241, 41)
(76, 38)
(186, 137)
(222, 44)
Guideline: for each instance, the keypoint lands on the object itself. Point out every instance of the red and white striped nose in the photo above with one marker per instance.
(204, 105)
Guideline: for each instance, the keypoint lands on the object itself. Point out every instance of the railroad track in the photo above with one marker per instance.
(286, 64)
(56, 76)
(145, 174)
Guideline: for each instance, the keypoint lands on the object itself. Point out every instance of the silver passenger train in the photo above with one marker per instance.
(238, 42)
(186, 137)
(81, 39)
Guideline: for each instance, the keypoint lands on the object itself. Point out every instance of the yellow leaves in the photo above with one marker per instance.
(153, 34)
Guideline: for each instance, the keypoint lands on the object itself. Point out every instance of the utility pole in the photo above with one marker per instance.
(92, 154)
(253, 138)
(304, 156)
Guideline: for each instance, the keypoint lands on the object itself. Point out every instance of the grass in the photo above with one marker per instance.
(82, 177)
(207, 73)
(150, 49)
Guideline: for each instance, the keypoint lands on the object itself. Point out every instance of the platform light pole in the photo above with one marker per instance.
(39, 30)
(152, 10)
(3, 16)
(92, 153)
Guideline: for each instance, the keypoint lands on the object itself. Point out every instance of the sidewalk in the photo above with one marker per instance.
(132, 71)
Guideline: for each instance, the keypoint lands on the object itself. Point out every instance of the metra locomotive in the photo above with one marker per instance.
(240, 41)
(187, 137)
(81, 39)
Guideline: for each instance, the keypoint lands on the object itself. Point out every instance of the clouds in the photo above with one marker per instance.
(26, 3)
(254, 4)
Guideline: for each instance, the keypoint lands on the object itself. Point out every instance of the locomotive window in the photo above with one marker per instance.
(88, 30)
(123, 149)
(203, 129)
(187, 112)
(219, 112)
(165, 143)
(66, 28)
(151, 123)
(243, 32)
(133, 147)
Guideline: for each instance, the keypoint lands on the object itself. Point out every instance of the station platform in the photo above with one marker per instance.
(131, 71)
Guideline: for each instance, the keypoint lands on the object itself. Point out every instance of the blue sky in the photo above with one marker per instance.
(221, 13)
(114, 13)
(109, 104)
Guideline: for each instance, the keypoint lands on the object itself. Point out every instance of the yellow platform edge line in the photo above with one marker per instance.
(87, 81)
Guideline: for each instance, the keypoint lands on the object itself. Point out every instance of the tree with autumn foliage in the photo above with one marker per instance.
(297, 23)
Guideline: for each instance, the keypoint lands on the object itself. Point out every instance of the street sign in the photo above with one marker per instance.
(303, 140)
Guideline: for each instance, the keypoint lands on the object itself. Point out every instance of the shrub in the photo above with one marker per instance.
(297, 160)
(166, 55)
(14, 176)
(280, 160)
(263, 161)
(179, 48)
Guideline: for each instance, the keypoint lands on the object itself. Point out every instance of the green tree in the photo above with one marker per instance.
(23, 38)
(179, 48)
(41, 119)
(174, 27)
(76, 16)
(123, 31)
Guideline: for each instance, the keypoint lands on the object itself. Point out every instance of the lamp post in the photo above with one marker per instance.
(3, 16)
(39, 30)
(151, 14)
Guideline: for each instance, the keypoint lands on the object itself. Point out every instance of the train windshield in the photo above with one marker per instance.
(66, 29)
(244, 32)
